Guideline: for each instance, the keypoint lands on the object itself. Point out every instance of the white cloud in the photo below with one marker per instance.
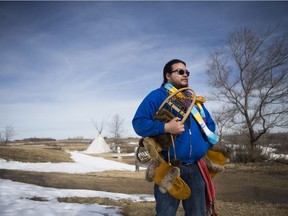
(59, 68)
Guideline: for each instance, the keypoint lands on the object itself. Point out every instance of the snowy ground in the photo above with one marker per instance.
(271, 152)
(17, 198)
(83, 164)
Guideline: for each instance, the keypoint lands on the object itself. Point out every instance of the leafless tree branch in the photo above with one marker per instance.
(251, 75)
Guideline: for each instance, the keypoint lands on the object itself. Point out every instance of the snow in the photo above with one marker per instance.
(83, 164)
(270, 151)
(16, 198)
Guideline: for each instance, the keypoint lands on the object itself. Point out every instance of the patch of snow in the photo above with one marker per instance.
(83, 164)
(16, 199)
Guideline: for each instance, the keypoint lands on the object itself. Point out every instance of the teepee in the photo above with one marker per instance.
(98, 145)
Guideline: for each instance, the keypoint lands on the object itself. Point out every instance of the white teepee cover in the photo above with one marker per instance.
(98, 146)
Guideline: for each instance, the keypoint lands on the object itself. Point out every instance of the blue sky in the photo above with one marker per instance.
(63, 64)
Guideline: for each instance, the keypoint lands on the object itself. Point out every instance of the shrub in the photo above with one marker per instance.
(244, 154)
(281, 149)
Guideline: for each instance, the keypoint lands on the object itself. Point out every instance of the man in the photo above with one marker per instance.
(190, 145)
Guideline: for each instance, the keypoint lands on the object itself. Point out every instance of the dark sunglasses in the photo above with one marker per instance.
(181, 71)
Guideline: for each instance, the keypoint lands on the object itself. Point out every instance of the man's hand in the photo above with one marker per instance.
(174, 126)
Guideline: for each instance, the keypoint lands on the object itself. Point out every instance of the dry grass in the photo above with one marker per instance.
(34, 154)
(128, 208)
(244, 189)
(250, 209)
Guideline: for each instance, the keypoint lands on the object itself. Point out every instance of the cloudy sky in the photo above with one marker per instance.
(63, 64)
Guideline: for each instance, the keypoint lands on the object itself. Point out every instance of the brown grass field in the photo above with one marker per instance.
(250, 189)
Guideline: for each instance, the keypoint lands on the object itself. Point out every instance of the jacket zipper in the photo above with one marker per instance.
(190, 133)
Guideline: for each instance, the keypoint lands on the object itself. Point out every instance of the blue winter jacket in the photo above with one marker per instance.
(190, 146)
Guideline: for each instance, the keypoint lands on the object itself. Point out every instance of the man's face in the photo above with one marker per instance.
(176, 79)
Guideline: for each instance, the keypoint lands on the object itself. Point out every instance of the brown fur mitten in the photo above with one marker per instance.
(215, 161)
(152, 147)
(213, 167)
(225, 150)
(167, 182)
(168, 179)
(164, 140)
(150, 171)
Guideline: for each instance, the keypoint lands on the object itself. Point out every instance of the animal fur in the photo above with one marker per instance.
(169, 178)
(152, 147)
(164, 140)
(212, 166)
(167, 182)
(225, 150)
(150, 171)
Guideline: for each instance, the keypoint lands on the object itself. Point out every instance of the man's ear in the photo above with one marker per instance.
(168, 76)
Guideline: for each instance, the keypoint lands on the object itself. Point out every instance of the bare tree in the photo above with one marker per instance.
(222, 118)
(250, 75)
(116, 126)
(9, 133)
(100, 127)
(1, 137)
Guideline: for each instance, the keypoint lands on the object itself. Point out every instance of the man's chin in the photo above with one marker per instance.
(181, 86)
(184, 85)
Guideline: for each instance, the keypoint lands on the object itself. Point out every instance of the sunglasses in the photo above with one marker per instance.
(181, 71)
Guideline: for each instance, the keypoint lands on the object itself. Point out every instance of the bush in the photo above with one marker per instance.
(244, 154)
(281, 149)
(281, 160)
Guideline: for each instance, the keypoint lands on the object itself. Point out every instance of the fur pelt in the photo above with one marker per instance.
(225, 150)
(152, 147)
(212, 166)
(169, 178)
(164, 140)
(167, 181)
(150, 171)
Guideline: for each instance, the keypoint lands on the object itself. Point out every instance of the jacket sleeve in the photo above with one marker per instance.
(143, 122)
